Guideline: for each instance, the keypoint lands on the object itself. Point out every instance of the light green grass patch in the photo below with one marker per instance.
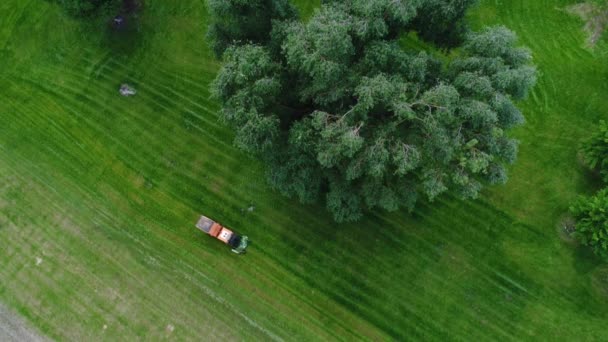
(595, 16)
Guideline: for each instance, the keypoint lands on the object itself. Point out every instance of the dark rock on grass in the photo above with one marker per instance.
(566, 228)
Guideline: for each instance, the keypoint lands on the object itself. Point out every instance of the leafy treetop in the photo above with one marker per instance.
(338, 109)
(245, 21)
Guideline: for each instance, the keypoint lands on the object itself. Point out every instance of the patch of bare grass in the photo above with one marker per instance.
(595, 17)
(565, 228)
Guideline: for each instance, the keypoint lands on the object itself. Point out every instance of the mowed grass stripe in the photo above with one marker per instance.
(322, 272)
(216, 156)
(456, 226)
(88, 247)
(31, 237)
(156, 87)
(90, 244)
(419, 255)
(427, 250)
(122, 320)
(322, 283)
(162, 134)
(83, 99)
(499, 280)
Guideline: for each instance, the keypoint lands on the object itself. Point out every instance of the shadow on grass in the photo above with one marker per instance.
(117, 27)
(124, 28)
(585, 260)
(593, 270)
(380, 270)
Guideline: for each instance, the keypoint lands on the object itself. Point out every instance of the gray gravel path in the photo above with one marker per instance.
(15, 329)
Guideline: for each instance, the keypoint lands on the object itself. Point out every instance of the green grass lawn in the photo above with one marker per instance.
(99, 195)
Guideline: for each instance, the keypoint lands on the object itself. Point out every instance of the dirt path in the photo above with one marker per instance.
(15, 329)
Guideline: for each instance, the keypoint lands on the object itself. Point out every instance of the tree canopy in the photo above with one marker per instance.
(340, 110)
(441, 21)
(244, 21)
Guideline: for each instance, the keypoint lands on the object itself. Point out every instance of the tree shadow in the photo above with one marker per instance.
(124, 27)
(585, 260)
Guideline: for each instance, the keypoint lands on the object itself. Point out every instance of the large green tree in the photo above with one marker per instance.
(340, 111)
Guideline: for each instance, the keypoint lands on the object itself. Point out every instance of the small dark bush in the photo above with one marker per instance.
(591, 215)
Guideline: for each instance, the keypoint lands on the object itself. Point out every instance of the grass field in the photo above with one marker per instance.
(99, 194)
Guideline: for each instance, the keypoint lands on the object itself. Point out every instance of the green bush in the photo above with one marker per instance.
(245, 21)
(591, 215)
(595, 151)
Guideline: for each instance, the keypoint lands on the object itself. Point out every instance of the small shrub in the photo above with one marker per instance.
(591, 215)
(595, 151)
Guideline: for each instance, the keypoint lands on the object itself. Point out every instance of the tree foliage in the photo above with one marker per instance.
(591, 215)
(442, 21)
(338, 109)
(244, 21)
(595, 150)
